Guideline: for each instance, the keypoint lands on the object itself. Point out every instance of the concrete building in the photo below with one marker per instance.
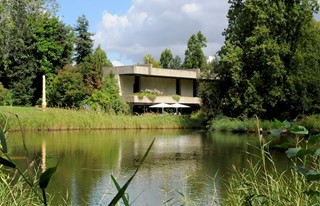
(175, 86)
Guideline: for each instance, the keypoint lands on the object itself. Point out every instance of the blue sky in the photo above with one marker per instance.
(129, 29)
(69, 10)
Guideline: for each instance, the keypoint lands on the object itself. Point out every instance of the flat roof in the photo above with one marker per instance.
(158, 72)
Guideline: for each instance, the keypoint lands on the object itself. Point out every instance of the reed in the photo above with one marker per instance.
(226, 124)
(33, 118)
(262, 184)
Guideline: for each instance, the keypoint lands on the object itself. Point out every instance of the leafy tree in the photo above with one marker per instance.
(28, 44)
(166, 58)
(264, 56)
(194, 56)
(92, 69)
(52, 48)
(108, 98)
(67, 88)
(175, 63)
(149, 59)
(6, 96)
(84, 40)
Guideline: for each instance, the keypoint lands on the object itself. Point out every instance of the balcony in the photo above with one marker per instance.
(136, 100)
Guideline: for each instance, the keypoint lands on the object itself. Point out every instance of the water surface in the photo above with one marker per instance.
(182, 165)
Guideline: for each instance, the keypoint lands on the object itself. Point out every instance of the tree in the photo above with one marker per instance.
(194, 56)
(108, 98)
(263, 56)
(175, 63)
(84, 40)
(166, 58)
(149, 59)
(92, 69)
(67, 88)
(30, 41)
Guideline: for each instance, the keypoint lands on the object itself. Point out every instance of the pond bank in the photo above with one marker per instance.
(33, 118)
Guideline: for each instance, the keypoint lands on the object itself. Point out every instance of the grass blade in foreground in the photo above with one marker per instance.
(3, 141)
(123, 189)
(124, 199)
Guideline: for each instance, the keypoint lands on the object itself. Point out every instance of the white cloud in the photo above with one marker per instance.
(150, 26)
(190, 8)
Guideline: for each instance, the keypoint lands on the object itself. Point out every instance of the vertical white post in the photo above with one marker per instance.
(44, 101)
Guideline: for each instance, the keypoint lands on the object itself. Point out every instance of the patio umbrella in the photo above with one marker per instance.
(178, 105)
(160, 105)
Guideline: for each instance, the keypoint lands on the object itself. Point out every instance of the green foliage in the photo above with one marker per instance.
(175, 63)
(92, 70)
(6, 96)
(194, 56)
(166, 58)
(261, 69)
(108, 98)
(84, 42)
(149, 59)
(32, 43)
(67, 88)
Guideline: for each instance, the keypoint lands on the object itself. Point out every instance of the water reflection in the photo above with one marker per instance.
(182, 165)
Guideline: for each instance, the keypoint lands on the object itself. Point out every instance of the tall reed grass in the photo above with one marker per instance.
(226, 124)
(263, 184)
(62, 119)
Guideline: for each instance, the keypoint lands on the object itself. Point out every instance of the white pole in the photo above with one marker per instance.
(44, 102)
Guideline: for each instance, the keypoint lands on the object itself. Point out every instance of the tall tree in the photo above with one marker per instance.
(67, 88)
(176, 63)
(92, 69)
(25, 30)
(263, 53)
(84, 40)
(194, 56)
(166, 58)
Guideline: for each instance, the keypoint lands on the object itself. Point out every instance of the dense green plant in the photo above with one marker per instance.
(32, 43)
(149, 59)
(263, 184)
(25, 179)
(92, 70)
(194, 56)
(263, 71)
(176, 97)
(108, 98)
(166, 58)
(6, 96)
(67, 88)
(84, 40)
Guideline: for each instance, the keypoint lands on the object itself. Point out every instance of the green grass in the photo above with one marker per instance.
(226, 124)
(33, 118)
(262, 184)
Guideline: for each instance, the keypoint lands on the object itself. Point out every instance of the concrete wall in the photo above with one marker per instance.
(126, 85)
(165, 85)
(186, 87)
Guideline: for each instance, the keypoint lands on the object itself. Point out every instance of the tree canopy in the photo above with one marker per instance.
(268, 65)
(194, 56)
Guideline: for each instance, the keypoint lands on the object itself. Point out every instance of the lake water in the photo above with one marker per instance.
(182, 165)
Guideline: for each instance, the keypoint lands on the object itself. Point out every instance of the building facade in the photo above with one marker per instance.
(173, 86)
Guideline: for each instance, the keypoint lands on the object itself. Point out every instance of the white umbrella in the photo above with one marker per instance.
(160, 105)
(178, 105)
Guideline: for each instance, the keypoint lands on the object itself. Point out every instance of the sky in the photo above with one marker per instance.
(129, 29)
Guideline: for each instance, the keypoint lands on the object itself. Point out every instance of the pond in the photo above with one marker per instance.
(182, 165)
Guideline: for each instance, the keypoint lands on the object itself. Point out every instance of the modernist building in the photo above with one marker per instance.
(175, 86)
